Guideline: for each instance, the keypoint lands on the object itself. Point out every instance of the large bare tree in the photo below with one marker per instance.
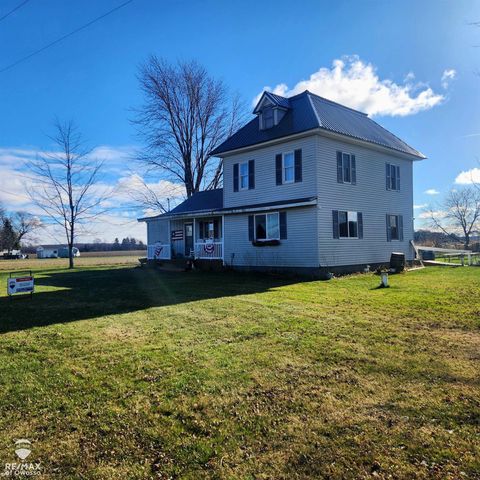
(458, 216)
(186, 113)
(63, 182)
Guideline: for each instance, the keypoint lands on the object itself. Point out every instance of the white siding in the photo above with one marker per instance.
(368, 196)
(299, 249)
(266, 189)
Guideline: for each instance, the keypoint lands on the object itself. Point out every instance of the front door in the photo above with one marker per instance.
(188, 238)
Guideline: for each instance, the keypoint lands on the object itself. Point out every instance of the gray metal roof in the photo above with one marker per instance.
(205, 201)
(307, 111)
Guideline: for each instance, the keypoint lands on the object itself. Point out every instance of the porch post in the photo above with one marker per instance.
(169, 239)
(194, 237)
(223, 240)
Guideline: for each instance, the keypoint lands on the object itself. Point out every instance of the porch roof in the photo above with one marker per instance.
(184, 213)
(204, 202)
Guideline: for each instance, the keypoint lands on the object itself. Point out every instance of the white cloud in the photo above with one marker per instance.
(447, 76)
(468, 177)
(355, 83)
(121, 211)
(419, 207)
(431, 191)
(436, 214)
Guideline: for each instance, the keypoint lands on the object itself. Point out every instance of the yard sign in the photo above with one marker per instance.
(25, 284)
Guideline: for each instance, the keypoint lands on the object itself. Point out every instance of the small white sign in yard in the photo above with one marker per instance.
(25, 284)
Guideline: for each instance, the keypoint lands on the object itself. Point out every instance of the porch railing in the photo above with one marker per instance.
(209, 250)
(159, 251)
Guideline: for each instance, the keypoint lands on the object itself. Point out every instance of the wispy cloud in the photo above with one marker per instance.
(121, 211)
(419, 207)
(468, 177)
(431, 191)
(471, 135)
(355, 83)
(447, 76)
(435, 213)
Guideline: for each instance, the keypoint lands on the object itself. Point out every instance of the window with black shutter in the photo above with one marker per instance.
(392, 176)
(347, 224)
(346, 168)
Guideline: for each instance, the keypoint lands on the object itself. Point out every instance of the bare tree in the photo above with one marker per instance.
(185, 115)
(64, 181)
(459, 215)
(24, 224)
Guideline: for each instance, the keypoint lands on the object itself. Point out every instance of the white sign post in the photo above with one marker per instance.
(25, 284)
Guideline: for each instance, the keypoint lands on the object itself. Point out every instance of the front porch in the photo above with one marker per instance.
(195, 238)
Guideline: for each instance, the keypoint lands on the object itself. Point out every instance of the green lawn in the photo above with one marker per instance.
(120, 372)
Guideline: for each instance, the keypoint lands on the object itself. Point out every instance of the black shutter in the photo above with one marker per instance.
(360, 224)
(235, 177)
(298, 165)
(398, 178)
(283, 225)
(400, 227)
(215, 228)
(251, 174)
(278, 168)
(336, 231)
(353, 169)
(388, 228)
(339, 168)
(251, 228)
(387, 175)
(200, 228)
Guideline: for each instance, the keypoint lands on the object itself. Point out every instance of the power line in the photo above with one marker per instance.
(58, 40)
(14, 10)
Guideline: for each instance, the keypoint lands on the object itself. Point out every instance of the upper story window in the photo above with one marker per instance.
(392, 174)
(346, 168)
(244, 176)
(288, 167)
(268, 118)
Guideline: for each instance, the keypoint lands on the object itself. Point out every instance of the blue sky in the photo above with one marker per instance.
(398, 49)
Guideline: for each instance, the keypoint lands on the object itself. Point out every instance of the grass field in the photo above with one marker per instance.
(118, 372)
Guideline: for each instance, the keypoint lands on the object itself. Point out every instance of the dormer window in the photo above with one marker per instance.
(270, 110)
(268, 118)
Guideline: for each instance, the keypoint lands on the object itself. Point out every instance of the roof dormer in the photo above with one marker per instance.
(270, 110)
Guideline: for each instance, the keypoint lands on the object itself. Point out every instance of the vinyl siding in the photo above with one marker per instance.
(178, 246)
(368, 196)
(299, 249)
(266, 189)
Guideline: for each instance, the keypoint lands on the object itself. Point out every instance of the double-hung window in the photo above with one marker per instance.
(268, 118)
(346, 168)
(288, 167)
(392, 173)
(267, 226)
(348, 224)
(244, 176)
(394, 227)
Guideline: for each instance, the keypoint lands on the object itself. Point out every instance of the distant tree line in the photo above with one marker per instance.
(440, 239)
